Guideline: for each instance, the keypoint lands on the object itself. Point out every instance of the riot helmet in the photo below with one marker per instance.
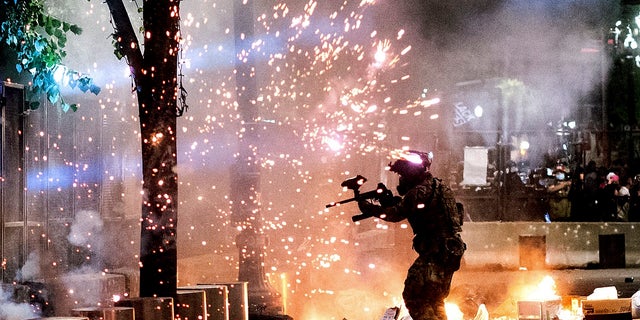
(412, 167)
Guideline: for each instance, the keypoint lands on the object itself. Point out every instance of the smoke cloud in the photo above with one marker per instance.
(86, 228)
(86, 234)
(10, 310)
(31, 269)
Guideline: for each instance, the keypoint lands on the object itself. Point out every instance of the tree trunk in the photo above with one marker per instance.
(155, 78)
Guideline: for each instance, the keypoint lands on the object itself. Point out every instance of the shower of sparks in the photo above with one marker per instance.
(327, 79)
(326, 91)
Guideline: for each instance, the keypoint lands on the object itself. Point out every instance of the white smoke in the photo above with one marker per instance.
(31, 269)
(86, 227)
(83, 285)
(86, 234)
(10, 310)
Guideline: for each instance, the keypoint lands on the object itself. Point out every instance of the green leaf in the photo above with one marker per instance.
(47, 24)
(62, 39)
(39, 49)
(53, 96)
(118, 53)
(38, 82)
(55, 22)
(84, 87)
(72, 83)
(39, 44)
(95, 89)
(75, 29)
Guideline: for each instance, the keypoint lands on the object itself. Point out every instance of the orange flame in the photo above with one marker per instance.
(544, 291)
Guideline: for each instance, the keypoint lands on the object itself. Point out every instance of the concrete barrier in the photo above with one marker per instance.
(217, 299)
(238, 299)
(190, 305)
(568, 244)
(149, 308)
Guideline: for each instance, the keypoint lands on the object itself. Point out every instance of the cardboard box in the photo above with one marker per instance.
(612, 309)
(538, 310)
(606, 306)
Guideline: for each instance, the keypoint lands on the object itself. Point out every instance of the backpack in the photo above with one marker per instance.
(453, 245)
(454, 210)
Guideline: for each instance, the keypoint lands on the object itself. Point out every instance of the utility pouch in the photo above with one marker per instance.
(454, 248)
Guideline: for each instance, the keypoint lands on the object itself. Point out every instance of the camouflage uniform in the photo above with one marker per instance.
(436, 225)
(425, 288)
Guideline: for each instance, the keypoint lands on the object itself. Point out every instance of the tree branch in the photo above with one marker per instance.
(126, 37)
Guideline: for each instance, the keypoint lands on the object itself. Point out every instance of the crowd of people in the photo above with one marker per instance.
(557, 191)
(594, 193)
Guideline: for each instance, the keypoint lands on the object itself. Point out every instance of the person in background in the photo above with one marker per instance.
(634, 199)
(622, 200)
(608, 199)
(590, 189)
(559, 203)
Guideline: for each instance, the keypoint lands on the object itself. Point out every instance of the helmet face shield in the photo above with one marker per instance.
(411, 163)
(406, 168)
